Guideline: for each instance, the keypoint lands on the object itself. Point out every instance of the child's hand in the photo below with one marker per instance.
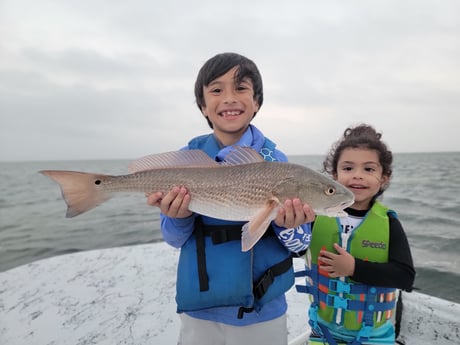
(341, 264)
(294, 214)
(174, 204)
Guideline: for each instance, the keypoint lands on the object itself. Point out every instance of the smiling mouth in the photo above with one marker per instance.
(229, 113)
(357, 187)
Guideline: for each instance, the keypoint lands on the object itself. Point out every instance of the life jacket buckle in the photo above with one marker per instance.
(264, 283)
(337, 302)
(339, 286)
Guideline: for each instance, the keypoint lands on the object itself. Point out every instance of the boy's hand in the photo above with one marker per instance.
(294, 213)
(341, 264)
(174, 204)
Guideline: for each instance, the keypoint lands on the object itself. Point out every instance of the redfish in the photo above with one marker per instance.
(244, 187)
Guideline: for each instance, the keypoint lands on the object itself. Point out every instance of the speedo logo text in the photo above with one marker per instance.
(377, 245)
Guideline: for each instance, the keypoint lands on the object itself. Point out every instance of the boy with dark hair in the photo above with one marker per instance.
(224, 295)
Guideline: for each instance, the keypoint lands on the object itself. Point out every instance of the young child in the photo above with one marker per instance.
(224, 295)
(356, 263)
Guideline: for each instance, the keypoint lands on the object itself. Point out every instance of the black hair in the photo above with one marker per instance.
(221, 64)
(361, 136)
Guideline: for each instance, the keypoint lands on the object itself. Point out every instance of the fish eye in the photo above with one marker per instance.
(98, 182)
(329, 190)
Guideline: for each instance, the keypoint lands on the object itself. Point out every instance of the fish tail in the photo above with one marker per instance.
(81, 191)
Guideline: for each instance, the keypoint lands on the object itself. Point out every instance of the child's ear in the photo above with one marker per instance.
(256, 105)
(384, 182)
(203, 111)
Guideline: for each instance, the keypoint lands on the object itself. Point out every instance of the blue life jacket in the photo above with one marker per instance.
(226, 275)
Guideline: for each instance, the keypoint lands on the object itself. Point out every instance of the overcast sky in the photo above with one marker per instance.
(103, 79)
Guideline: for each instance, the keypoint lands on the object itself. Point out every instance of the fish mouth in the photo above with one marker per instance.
(337, 210)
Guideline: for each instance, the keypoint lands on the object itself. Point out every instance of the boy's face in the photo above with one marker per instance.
(229, 106)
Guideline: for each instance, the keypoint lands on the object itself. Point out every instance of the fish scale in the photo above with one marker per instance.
(248, 189)
(217, 187)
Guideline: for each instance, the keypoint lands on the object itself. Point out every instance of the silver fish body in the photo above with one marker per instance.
(246, 188)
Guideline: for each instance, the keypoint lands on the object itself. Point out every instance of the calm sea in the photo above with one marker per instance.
(425, 192)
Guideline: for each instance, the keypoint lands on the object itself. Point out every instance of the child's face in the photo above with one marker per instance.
(360, 171)
(230, 107)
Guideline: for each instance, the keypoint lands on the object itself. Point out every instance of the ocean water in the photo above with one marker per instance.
(424, 191)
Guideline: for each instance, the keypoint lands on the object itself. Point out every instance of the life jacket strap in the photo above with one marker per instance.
(228, 232)
(262, 285)
(201, 255)
(224, 233)
(298, 274)
(244, 310)
(339, 286)
(368, 305)
(326, 334)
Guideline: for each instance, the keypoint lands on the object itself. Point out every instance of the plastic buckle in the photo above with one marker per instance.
(340, 286)
(337, 302)
(264, 283)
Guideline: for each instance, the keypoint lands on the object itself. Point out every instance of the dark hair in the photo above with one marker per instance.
(221, 64)
(361, 136)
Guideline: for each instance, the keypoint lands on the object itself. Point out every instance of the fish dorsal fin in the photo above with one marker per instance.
(242, 155)
(173, 159)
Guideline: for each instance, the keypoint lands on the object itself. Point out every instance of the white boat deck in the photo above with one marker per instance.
(126, 296)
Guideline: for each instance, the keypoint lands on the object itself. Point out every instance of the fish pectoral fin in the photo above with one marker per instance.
(258, 224)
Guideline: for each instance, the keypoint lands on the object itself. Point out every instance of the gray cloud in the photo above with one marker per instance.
(88, 80)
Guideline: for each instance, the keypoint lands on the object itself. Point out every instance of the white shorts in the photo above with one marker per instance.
(202, 332)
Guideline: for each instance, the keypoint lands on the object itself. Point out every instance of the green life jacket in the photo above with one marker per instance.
(344, 303)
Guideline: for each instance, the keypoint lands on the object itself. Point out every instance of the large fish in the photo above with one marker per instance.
(242, 188)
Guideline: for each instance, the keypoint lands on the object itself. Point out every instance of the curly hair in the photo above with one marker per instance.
(361, 136)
